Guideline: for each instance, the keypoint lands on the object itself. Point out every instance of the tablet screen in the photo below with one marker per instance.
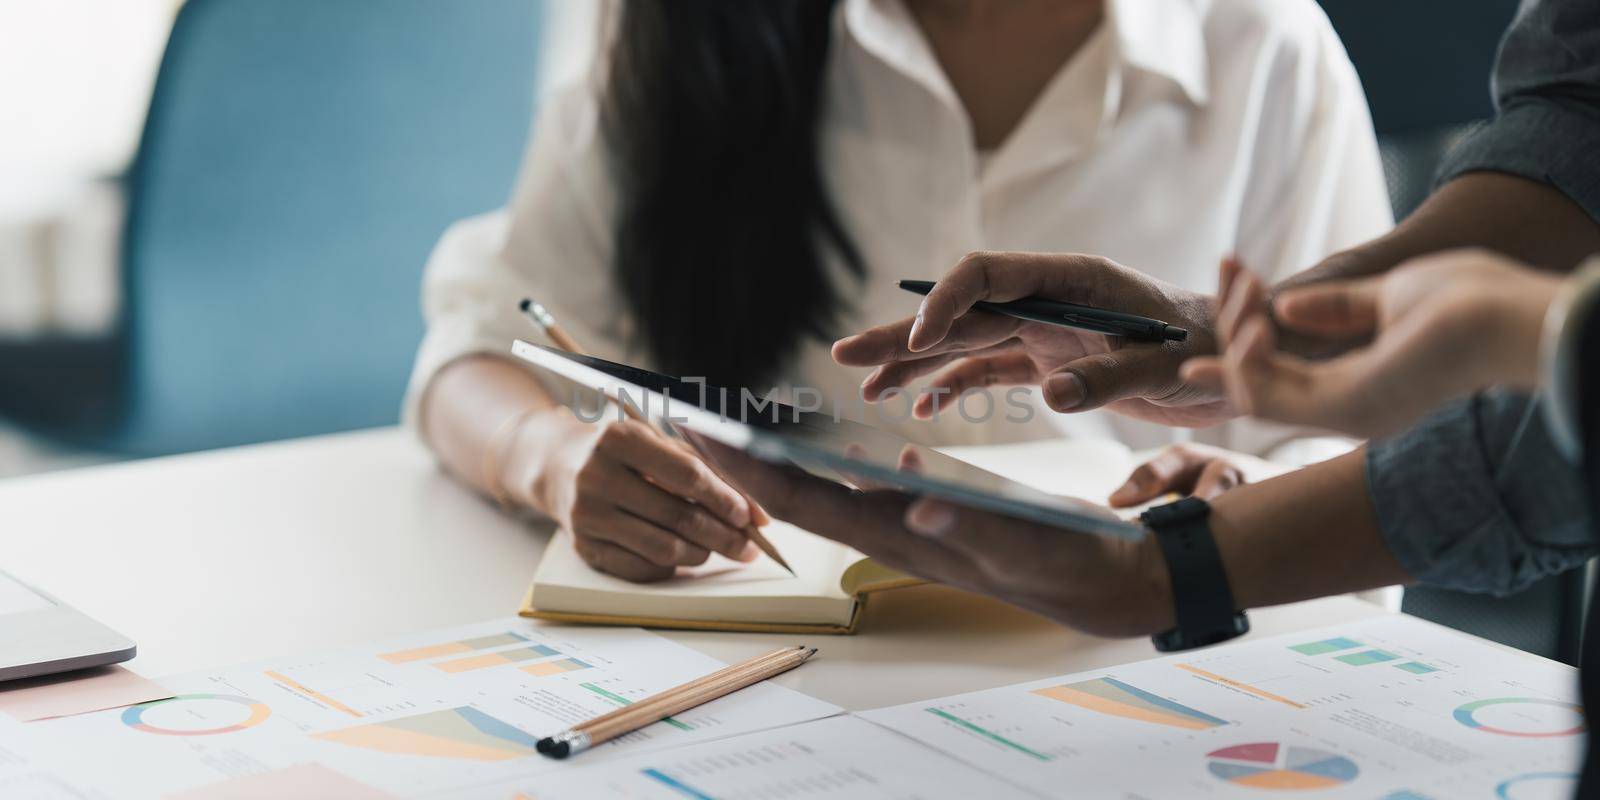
(841, 450)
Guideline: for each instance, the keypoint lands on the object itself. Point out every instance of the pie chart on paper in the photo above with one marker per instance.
(1271, 765)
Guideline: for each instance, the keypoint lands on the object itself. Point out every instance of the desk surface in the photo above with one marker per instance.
(243, 554)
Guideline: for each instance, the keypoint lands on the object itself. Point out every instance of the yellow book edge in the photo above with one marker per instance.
(866, 576)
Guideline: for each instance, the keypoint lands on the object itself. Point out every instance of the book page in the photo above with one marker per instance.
(720, 590)
(411, 716)
(1392, 707)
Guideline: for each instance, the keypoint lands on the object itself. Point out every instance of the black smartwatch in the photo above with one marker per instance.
(1201, 600)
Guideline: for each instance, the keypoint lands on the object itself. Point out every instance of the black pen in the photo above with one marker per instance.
(1072, 315)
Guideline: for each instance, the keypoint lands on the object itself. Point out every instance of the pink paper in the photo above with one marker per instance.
(76, 693)
(302, 781)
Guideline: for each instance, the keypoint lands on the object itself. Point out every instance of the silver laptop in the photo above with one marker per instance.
(40, 635)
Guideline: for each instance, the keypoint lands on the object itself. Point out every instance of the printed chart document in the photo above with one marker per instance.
(1392, 709)
(421, 714)
(843, 757)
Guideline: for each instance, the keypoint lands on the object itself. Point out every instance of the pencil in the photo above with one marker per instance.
(546, 321)
(676, 700)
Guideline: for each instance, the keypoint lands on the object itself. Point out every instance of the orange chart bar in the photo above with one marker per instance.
(545, 669)
(496, 659)
(452, 648)
(287, 683)
(1243, 687)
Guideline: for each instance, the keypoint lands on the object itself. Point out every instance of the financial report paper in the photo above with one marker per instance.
(408, 717)
(1389, 709)
(842, 757)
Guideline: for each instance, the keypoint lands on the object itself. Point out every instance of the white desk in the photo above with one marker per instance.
(242, 554)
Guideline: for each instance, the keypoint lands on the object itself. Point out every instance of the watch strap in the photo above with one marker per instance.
(1202, 601)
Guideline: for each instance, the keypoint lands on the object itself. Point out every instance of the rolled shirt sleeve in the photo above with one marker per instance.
(1476, 498)
(1547, 92)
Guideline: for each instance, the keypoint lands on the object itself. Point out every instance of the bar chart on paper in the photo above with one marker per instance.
(463, 732)
(419, 715)
(843, 757)
(1392, 708)
(1110, 696)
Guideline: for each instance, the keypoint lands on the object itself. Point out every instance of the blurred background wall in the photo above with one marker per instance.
(225, 248)
(298, 159)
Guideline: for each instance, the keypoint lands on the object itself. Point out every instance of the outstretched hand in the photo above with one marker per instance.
(1078, 370)
(1436, 328)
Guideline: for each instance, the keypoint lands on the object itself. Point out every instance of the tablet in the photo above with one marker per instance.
(846, 452)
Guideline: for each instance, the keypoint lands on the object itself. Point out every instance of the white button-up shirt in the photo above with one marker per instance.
(1184, 130)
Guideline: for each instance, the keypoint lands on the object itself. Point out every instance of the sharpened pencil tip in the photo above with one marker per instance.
(525, 304)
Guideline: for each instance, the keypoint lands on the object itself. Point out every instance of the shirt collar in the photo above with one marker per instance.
(1161, 37)
(1165, 38)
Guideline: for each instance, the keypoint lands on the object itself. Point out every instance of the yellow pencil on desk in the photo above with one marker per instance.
(546, 321)
(676, 700)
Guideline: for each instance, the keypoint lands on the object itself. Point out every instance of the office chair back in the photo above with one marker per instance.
(300, 160)
(1425, 69)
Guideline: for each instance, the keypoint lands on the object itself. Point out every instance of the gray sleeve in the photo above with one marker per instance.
(1477, 498)
(1547, 91)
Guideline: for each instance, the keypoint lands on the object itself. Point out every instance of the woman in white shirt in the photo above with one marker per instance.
(736, 182)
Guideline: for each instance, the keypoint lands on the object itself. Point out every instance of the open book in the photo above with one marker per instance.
(831, 582)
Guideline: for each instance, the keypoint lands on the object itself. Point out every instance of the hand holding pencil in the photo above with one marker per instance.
(718, 518)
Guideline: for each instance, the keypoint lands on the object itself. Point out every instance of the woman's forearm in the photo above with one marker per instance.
(469, 402)
(1309, 533)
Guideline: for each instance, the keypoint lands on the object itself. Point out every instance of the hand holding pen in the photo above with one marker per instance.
(694, 473)
(1079, 364)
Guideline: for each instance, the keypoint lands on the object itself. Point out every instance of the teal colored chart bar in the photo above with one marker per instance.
(1325, 646)
(1366, 657)
(1417, 667)
(676, 785)
(623, 701)
(987, 734)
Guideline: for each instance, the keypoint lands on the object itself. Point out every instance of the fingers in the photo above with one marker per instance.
(1175, 469)
(1000, 277)
(1226, 272)
(1203, 372)
(972, 373)
(675, 470)
(1219, 476)
(1246, 298)
(1136, 371)
(642, 537)
(677, 516)
(618, 561)
(886, 344)
(867, 521)
(1338, 308)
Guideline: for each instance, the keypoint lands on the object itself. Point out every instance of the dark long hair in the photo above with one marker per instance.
(711, 112)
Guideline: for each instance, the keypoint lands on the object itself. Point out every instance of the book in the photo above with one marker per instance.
(831, 583)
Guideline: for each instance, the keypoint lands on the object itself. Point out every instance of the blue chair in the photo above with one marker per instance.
(300, 160)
